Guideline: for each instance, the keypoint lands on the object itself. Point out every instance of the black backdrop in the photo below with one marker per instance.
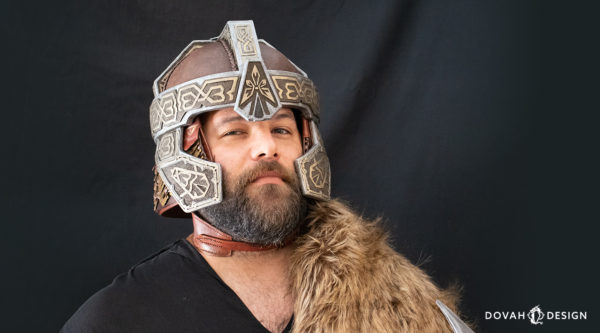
(445, 117)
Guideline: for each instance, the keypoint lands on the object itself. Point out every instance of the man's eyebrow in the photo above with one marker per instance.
(279, 115)
(228, 120)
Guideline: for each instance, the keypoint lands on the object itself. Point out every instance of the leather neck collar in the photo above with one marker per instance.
(208, 239)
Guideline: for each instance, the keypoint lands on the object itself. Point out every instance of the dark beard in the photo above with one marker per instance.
(268, 216)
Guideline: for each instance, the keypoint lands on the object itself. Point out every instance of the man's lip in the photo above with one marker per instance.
(268, 174)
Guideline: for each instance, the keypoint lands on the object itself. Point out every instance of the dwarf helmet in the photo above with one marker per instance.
(235, 70)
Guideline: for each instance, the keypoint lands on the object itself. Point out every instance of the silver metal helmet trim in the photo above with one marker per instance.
(255, 93)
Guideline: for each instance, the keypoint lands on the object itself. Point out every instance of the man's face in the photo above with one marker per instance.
(262, 200)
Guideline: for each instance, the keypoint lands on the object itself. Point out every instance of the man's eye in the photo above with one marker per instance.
(281, 131)
(236, 132)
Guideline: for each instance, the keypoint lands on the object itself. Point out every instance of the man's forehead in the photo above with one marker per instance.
(224, 116)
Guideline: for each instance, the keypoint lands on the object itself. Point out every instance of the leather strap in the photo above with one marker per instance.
(207, 238)
(306, 136)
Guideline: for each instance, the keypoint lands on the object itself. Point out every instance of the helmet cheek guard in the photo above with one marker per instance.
(313, 168)
(259, 81)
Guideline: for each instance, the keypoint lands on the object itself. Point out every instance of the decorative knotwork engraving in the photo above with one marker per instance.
(256, 96)
(155, 113)
(315, 173)
(168, 109)
(161, 192)
(211, 92)
(188, 96)
(257, 91)
(245, 40)
(296, 90)
(194, 183)
(166, 146)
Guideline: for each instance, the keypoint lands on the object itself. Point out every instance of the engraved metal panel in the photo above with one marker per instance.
(194, 183)
(256, 99)
(155, 123)
(314, 171)
(168, 108)
(242, 39)
(188, 96)
(165, 147)
(297, 89)
(245, 39)
(208, 93)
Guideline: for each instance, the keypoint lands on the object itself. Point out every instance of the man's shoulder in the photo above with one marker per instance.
(154, 288)
(160, 270)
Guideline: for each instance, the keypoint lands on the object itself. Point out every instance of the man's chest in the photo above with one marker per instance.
(272, 307)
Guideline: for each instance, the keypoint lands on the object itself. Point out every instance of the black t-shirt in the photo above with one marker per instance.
(174, 290)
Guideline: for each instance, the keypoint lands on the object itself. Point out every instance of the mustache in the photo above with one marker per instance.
(262, 167)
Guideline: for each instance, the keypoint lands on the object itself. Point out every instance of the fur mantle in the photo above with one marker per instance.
(348, 279)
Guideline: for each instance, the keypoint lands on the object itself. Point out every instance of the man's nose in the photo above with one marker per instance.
(263, 146)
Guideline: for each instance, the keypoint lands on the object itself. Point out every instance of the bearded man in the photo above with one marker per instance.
(238, 149)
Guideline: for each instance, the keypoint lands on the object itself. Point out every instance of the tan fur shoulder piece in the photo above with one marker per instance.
(348, 279)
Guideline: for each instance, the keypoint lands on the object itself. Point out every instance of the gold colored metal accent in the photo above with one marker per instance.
(256, 85)
(257, 99)
(317, 175)
(211, 92)
(196, 150)
(161, 193)
(296, 90)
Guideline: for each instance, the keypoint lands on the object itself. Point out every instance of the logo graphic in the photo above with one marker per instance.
(536, 315)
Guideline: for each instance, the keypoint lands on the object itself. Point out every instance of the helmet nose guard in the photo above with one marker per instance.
(258, 81)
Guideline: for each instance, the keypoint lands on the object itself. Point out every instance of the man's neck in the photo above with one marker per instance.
(261, 281)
